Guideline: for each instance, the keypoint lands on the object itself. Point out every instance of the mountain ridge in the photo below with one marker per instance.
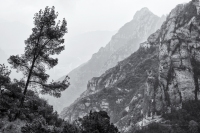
(108, 56)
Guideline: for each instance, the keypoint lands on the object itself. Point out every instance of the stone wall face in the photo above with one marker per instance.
(178, 57)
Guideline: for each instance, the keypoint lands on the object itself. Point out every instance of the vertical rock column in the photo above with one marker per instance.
(179, 57)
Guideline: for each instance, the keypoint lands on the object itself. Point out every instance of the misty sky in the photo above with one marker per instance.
(16, 18)
(85, 15)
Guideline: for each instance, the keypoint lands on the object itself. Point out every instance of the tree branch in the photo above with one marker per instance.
(38, 41)
(36, 82)
(43, 47)
(25, 66)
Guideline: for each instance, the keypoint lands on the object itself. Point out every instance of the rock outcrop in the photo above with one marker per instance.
(178, 77)
(179, 57)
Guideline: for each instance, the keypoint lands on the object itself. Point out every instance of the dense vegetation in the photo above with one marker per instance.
(185, 120)
(21, 108)
(37, 116)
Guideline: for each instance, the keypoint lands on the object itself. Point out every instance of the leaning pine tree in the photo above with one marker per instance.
(45, 40)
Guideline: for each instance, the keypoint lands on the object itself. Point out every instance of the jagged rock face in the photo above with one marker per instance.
(162, 74)
(179, 57)
(122, 45)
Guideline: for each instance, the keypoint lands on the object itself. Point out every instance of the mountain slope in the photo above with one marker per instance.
(155, 80)
(125, 41)
(143, 24)
(114, 90)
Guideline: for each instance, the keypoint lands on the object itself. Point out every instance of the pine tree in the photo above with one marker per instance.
(45, 40)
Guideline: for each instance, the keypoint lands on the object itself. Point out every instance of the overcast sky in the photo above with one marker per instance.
(85, 15)
(16, 18)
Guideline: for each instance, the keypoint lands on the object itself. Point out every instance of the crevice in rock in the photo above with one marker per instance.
(195, 76)
(169, 78)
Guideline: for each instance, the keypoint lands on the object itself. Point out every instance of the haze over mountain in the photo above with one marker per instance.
(143, 78)
(122, 44)
(13, 44)
(86, 44)
(16, 23)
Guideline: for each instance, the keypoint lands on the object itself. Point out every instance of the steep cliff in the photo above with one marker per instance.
(179, 57)
(156, 79)
(122, 45)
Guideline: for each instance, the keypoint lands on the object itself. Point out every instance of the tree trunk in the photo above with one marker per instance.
(27, 82)
(30, 72)
(196, 86)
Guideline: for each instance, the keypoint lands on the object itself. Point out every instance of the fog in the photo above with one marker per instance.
(84, 17)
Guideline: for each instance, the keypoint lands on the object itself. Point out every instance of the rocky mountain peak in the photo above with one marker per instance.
(144, 12)
(122, 44)
(115, 84)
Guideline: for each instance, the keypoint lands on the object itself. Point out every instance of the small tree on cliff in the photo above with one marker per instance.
(45, 40)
